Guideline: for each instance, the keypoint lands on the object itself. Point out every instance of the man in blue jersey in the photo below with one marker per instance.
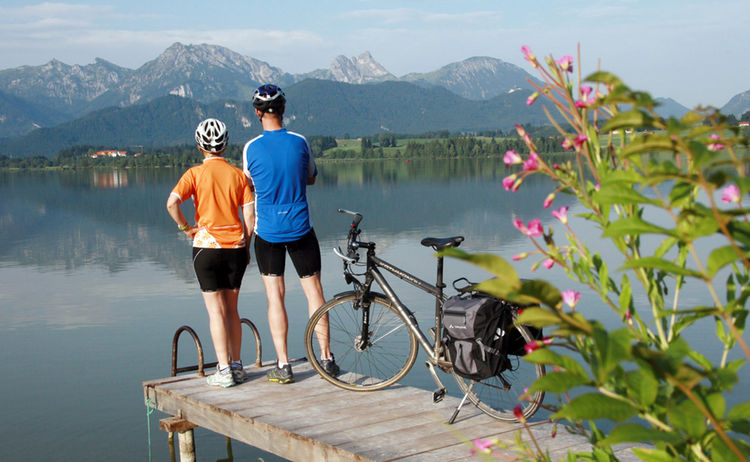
(280, 165)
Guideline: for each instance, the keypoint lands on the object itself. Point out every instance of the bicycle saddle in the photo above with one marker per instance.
(440, 243)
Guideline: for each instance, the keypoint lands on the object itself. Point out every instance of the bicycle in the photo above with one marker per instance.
(375, 337)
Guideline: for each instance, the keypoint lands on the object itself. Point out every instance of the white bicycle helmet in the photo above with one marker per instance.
(269, 98)
(212, 136)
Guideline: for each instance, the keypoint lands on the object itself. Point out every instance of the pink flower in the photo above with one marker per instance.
(571, 297)
(567, 143)
(508, 181)
(566, 63)
(518, 413)
(561, 214)
(531, 347)
(512, 158)
(547, 340)
(535, 228)
(585, 91)
(730, 194)
(548, 200)
(532, 163)
(520, 256)
(715, 146)
(530, 100)
(482, 445)
(581, 104)
(529, 56)
(549, 263)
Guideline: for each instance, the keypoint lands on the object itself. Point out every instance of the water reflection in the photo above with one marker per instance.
(67, 220)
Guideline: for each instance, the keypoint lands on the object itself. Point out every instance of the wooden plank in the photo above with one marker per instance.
(314, 420)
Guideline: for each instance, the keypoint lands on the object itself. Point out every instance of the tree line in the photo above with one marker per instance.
(438, 144)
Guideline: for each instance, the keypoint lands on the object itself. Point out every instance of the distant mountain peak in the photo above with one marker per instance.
(358, 69)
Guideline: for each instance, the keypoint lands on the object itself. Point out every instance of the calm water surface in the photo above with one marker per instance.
(95, 279)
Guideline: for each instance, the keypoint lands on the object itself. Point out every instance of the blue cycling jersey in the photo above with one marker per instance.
(279, 163)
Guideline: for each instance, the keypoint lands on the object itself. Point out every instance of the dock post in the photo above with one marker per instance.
(184, 429)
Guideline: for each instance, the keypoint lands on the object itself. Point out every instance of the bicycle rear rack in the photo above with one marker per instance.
(201, 366)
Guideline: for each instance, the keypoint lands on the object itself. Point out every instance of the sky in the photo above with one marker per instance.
(695, 52)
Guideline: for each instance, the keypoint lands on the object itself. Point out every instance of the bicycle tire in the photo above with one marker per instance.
(388, 358)
(491, 396)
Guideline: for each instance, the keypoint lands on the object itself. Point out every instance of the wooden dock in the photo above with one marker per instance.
(312, 420)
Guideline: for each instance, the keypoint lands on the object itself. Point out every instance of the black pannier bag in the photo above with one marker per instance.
(474, 334)
(514, 342)
(479, 335)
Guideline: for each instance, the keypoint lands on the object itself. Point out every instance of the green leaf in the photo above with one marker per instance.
(540, 292)
(642, 386)
(720, 258)
(634, 433)
(626, 294)
(539, 317)
(633, 226)
(591, 406)
(664, 265)
(681, 194)
(622, 194)
(613, 348)
(606, 78)
(653, 455)
(685, 416)
(716, 404)
(630, 119)
(740, 411)
(547, 356)
(489, 262)
(558, 382)
(648, 144)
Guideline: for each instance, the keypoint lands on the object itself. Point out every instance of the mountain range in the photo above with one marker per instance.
(354, 95)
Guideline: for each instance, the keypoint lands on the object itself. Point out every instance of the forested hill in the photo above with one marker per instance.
(315, 107)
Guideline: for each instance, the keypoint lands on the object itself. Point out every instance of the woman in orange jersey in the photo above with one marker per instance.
(221, 242)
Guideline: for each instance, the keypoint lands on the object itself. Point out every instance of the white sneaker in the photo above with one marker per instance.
(218, 379)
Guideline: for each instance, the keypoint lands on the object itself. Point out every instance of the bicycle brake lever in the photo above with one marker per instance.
(341, 255)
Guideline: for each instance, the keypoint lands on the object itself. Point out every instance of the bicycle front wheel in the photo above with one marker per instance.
(383, 359)
(498, 395)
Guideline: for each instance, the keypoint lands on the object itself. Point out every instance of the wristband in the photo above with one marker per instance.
(184, 227)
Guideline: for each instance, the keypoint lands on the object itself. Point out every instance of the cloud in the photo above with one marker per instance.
(413, 16)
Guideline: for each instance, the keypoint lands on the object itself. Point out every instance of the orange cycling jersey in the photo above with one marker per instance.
(218, 190)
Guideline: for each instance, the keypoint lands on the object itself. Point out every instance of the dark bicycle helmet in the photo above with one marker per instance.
(269, 98)
(212, 135)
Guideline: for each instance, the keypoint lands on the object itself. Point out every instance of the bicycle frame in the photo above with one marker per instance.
(373, 273)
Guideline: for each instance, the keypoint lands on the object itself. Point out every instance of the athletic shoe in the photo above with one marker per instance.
(281, 375)
(239, 375)
(330, 367)
(218, 379)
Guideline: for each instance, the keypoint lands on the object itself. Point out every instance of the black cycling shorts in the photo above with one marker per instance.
(219, 269)
(304, 252)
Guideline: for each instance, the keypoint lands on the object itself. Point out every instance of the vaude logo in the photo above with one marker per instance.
(452, 326)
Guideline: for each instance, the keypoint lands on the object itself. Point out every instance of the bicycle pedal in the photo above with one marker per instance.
(438, 395)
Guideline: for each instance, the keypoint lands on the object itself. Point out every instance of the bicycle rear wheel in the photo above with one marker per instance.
(498, 395)
(384, 359)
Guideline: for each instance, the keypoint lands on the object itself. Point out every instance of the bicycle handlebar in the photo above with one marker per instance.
(357, 216)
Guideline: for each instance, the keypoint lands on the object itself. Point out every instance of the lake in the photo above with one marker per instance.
(95, 279)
